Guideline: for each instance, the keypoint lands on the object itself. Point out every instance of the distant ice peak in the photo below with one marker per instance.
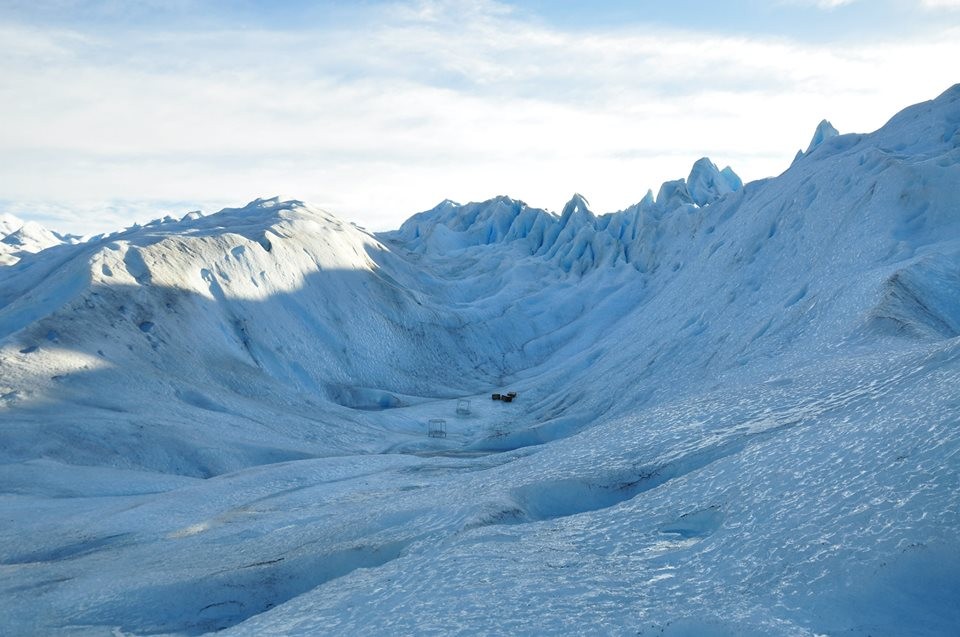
(673, 194)
(273, 202)
(578, 205)
(707, 183)
(9, 224)
(825, 130)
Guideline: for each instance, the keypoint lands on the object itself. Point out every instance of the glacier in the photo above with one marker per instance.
(737, 412)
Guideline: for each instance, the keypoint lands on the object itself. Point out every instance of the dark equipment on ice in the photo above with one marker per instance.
(437, 428)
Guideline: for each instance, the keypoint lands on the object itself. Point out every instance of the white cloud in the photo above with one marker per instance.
(940, 4)
(378, 122)
(821, 4)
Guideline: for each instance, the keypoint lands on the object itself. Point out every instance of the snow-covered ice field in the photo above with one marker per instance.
(738, 412)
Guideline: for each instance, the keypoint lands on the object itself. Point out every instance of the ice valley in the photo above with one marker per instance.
(738, 412)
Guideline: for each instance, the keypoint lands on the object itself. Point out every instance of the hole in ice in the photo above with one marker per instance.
(146, 326)
(699, 523)
(562, 498)
(365, 398)
(220, 611)
(569, 496)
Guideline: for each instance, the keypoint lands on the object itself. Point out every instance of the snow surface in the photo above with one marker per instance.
(737, 413)
(18, 237)
(9, 224)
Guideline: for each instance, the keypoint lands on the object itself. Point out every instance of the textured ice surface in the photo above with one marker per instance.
(737, 413)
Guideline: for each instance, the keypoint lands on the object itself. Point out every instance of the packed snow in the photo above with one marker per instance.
(736, 412)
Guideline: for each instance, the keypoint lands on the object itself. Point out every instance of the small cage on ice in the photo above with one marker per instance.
(463, 407)
(437, 428)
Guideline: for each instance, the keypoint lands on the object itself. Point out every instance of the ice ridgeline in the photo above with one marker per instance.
(577, 240)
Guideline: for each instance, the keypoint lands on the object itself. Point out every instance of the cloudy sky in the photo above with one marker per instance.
(115, 111)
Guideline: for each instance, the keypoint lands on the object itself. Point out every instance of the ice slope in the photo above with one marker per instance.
(737, 413)
(271, 309)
